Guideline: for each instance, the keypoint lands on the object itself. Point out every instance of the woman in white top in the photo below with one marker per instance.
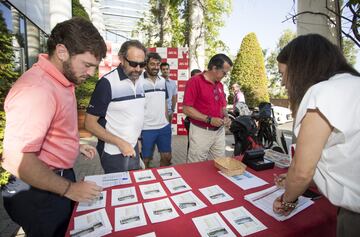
(324, 94)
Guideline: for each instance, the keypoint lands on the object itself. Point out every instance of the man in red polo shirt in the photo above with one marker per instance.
(205, 104)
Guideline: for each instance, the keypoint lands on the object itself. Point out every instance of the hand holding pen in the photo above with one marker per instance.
(279, 180)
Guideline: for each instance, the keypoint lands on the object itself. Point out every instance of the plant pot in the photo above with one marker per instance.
(83, 133)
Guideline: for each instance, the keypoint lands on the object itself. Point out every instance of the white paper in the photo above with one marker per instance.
(160, 210)
(246, 180)
(215, 194)
(243, 221)
(154, 190)
(212, 226)
(93, 224)
(99, 202)
(128, 217)
(144, 175)
(188, 202)
(109, 180)
(264, 200)
(177, 185)
(123, 196)
(151, 234)
(168, 173)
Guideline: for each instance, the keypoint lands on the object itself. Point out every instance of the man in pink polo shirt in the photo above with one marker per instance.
(41, 140)
(205, 104)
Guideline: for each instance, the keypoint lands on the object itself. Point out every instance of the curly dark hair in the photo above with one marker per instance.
(79, 36)
(310, 59)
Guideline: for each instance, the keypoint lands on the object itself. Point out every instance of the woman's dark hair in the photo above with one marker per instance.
(79, 36)
(218, 61)
(310, 59)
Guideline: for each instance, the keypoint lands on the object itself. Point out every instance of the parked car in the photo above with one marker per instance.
(282, 114)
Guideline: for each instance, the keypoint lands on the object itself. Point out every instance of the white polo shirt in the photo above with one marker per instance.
(120, 105)
(155, 101)
(337, 173)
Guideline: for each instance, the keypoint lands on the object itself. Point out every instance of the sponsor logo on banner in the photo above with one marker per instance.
(172, 52)
(173, 75)
(181, 130)
(183, 63)
(183, 75)
(181, 85)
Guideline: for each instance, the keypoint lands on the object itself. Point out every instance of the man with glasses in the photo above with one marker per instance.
(205, 104)
(116, 111)
(157, 129)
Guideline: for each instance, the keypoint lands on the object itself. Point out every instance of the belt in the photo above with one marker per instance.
(207, 128)
(61, 172)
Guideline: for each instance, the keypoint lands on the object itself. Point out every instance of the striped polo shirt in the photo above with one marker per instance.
(120, 105)
(155, 102)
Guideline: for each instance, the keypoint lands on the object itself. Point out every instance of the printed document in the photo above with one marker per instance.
(123, 196)
(212, 225)
(154, 190)
(97, 203)
(93, 224)
(177, 185)
(246, 180)
(242, 220)
(188, 202)
(215, 194)
(128, 217)
(264, 200)
(168, 173)
(160, 210)
(144, 175)
(109, 180)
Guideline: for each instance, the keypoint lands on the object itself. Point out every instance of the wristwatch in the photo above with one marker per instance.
(208, 119)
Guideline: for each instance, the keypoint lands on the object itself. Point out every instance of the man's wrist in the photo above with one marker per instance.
(208, 120)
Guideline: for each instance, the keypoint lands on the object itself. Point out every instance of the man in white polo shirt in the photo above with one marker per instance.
(157, 129)
(116, 111)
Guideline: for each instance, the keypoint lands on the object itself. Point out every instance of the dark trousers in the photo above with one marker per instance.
(119, 163)
(348, 223)
(38, 212)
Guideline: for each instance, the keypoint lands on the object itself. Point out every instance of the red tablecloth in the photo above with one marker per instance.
(317, 220)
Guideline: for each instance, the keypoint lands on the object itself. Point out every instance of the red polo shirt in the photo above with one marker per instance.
(206, 97)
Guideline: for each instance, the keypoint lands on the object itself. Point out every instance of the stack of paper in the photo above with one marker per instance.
(264, 200)
(281, 160)
(160, 210)
(92, 224)
(215, 194)
(188, 202)
(99, 202)
(129, 217)
(109, 180)
(246, 180)
(168, 173)
(144, 175)
(212, 225)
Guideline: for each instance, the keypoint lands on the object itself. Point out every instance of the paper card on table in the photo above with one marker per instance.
(243, 221)
(246, 180)
(264, 200)
(92, 224)
(151, 234)
(154, 190)
(188, 202)
(144, 175)
(123, 196)
(109, 180)
(168, 173)
(99, 202)
(177, 185)
(215, 194)
(128, 217)
(212, 225)
(160, 210)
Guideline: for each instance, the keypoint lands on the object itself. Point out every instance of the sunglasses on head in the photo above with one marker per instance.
(135, 64)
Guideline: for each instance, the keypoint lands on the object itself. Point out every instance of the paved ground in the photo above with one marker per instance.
(83, 168)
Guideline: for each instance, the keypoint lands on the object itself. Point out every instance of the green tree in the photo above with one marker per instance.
(349, 50)
(274, 83)
(8, 75)
(249, 71)
(78, 10)
(154, 26)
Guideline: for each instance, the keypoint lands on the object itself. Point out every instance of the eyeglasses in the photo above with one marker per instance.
(135, 64)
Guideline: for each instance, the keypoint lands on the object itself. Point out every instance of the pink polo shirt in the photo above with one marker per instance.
(41, 116)
(205, 97)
